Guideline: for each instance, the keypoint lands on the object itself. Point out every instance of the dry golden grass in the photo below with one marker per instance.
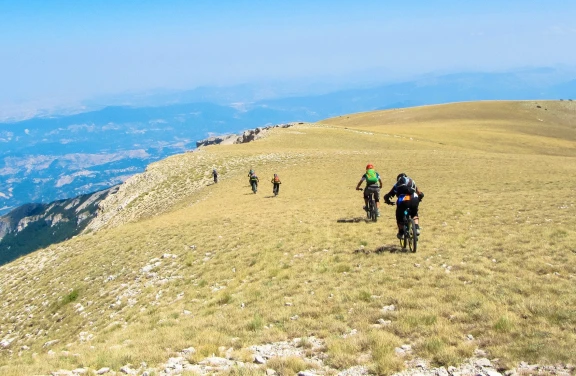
(497, 256)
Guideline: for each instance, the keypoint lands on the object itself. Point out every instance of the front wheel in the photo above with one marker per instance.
(412, 237)
(403, 241)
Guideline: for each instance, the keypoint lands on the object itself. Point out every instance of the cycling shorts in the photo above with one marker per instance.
(411, 205)
(372, 189)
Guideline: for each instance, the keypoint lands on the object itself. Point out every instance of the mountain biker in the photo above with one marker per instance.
(215, 175)
(254, 181)
(373, 185)
(409, 197)
(276, 181)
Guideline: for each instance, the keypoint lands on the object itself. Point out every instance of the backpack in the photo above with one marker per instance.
(371, 176)
(405, 186)
(276, 179)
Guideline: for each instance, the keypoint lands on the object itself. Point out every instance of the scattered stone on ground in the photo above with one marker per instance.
(312, 351)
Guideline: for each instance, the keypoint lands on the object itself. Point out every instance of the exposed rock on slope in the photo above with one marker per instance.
(246, 136)
(33, 226)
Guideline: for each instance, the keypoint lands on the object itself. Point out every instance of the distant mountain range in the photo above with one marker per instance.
(48, 158)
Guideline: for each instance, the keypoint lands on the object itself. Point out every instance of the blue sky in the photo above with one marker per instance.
(71, 50)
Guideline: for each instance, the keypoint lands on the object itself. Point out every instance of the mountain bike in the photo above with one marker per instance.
(254, 185)
(371, 210)
(410, 237)
(275, 189)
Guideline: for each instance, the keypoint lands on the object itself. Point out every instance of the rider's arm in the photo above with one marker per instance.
(360, 182)
(390, 194)
(380, 181)
(419, 193)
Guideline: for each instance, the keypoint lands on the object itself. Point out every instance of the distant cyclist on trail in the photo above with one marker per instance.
(373, 185)
(215, 175)
(276, 181)
(409, 197)
(254, 181)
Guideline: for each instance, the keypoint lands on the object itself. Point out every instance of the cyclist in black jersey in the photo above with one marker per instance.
(408, 197)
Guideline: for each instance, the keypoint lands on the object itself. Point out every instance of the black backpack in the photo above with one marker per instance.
(405, 186)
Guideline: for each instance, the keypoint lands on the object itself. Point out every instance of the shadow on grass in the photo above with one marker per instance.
(249, 194)
(269, 196)
(353, 220)
(383, 249)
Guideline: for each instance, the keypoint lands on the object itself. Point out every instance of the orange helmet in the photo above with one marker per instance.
(369, 166)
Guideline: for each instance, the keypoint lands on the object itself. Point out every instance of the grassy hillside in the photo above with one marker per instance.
(179, 262)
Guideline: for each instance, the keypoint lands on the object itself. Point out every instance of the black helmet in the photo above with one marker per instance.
(400, 176)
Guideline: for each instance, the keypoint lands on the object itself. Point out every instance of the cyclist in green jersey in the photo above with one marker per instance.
(373, 185)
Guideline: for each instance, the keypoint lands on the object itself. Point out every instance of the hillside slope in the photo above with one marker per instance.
(215, 267)
(34, 226)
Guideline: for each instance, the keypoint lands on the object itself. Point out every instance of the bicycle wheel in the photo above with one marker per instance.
(373, 211)
(412, 237)
(403, 238)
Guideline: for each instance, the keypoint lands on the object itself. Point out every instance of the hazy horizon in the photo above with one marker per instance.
(62, 52)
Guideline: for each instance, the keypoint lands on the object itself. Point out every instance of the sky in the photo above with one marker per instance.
(66, 50)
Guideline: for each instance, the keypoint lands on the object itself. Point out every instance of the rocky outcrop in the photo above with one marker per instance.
(33, 226)
(246, 136)
(215, 140)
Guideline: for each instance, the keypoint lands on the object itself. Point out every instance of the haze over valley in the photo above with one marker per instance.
(61, 156)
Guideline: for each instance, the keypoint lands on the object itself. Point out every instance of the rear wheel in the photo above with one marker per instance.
(412, 237)
(373, 212)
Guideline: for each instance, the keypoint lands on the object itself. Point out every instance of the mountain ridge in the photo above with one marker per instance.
(34, 226)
